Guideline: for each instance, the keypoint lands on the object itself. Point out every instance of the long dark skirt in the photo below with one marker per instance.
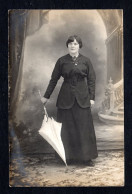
(77, 133)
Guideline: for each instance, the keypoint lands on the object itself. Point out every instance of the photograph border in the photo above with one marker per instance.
(127, 91)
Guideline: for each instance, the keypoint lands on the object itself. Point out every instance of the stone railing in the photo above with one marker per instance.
(113, 96)
(118, 93)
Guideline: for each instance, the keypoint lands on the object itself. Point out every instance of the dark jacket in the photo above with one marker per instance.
(79, 81)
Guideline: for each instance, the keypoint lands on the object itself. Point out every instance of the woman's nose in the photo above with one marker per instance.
(72, 45)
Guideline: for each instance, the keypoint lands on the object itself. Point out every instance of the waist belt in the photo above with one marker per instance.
(74, 80)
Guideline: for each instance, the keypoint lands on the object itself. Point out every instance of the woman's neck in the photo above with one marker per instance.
(74, 54)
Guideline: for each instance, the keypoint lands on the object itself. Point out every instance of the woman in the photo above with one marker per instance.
(75, 98)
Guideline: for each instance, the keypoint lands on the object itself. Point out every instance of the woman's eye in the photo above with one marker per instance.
(73, 44)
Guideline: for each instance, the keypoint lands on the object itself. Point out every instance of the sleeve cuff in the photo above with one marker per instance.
(46, 96)
(92, 97)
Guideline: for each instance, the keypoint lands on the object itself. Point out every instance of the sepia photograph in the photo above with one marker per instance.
(66, 98)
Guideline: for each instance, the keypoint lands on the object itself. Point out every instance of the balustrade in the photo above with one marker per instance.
(113, 96)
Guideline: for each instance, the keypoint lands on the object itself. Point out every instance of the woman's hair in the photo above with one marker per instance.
(74, 37)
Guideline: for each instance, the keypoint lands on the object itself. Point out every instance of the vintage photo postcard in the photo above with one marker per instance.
(66, 98)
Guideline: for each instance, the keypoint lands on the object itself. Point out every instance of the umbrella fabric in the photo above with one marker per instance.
(51, 132)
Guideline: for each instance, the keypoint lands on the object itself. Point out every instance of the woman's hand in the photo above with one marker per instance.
(44, 100)
(92, 103)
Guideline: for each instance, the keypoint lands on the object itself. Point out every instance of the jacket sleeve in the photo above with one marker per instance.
(91, 77)
(54, 78)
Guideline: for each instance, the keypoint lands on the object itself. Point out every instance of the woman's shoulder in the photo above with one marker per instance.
(85, 59)
(63, 57)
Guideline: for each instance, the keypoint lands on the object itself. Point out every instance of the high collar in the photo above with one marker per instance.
(75, 56)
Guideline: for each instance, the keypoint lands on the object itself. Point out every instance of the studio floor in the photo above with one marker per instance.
(39, 171)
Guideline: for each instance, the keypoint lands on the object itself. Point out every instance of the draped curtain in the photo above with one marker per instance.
(22, 23)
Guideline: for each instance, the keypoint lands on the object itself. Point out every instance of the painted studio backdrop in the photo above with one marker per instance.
(37, 38)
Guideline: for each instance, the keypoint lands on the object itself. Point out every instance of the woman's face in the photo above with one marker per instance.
(73, 47)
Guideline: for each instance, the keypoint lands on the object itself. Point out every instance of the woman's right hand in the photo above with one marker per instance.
(44, 100)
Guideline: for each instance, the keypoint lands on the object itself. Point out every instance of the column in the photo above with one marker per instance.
(114, 45)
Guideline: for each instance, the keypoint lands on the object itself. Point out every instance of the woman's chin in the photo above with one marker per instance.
(73, 52)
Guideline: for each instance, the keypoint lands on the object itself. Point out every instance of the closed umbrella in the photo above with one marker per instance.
(51, 132)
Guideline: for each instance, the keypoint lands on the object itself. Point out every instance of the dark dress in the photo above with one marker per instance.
(73, 104)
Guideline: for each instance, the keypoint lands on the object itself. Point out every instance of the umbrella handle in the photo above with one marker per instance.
(39, 93)
(45, 112)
